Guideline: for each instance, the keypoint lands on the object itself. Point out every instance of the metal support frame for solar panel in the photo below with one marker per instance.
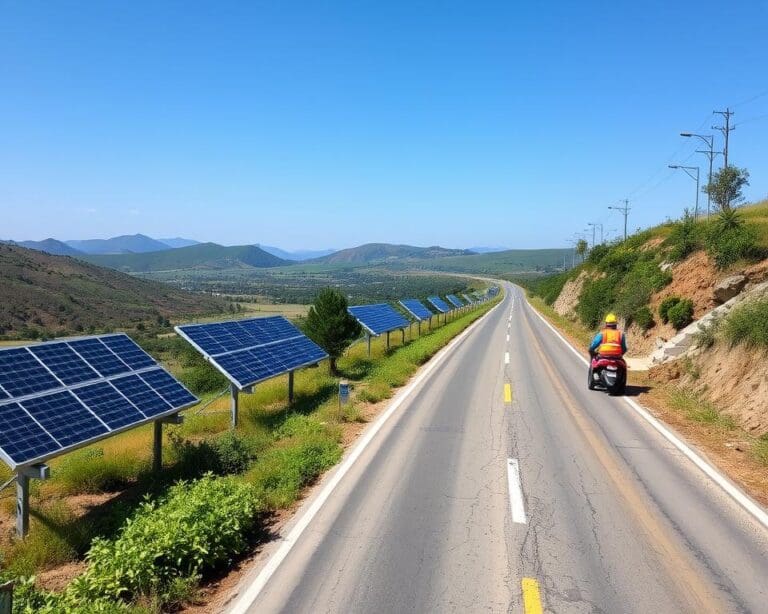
(470, 301)
(418, 310)
(378, 319)
(61, 395)
(454, 300)
(252, 350)
(441, 306)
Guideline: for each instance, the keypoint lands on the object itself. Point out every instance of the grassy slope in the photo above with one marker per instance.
(500, 263)
(62, 294)
(203, 255)
(375, 252)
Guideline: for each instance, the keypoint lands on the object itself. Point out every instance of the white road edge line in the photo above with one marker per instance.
(246, 600)
(515, 492)
(753, 508)
(506, 358)
(507, 338)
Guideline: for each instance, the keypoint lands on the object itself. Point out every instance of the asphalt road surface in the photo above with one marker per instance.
(501, 484)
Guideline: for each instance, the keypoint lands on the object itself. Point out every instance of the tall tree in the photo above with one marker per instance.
(581, 248)
(726, 187)
(330, 325)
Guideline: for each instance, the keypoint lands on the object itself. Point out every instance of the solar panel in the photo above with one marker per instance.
(250, 351)
(454, 300)
(60, 395)
(439, 304)
(416, 308)
(468, 298)
(378, 319)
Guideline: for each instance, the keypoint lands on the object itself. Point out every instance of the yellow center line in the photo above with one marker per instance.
(531, 596)
(507, 393)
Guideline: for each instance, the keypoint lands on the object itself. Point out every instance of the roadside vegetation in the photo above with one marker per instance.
(143, 542)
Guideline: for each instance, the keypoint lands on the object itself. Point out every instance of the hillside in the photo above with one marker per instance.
(176, 242)
(382, 252)
(503, 263)
(61, 294)
(50, 246)
(201, 256)
(124, 244)
(296, 256)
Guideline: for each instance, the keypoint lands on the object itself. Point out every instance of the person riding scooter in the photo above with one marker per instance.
(609, 342)
(607, 367)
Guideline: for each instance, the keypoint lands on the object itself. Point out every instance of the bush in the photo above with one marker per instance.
(596, 299)
(748, 324)
(684, 238)
(229, 453)
(681, 314)
(91, 471)
(728, 245)
(203, 378)
(643, 318)
(550, 286)
(666, 305)
(194, 527)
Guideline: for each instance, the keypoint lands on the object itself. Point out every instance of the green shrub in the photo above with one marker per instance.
(748, 324)
(597, 253)
(228, 453)
(596, 299)
(549, 287)
(684, 238)
(681, 314)
(728, 244)
(706, 336)
(643, 318)
(203, 378)
(194, 527)
(234, 452)
(666, 305)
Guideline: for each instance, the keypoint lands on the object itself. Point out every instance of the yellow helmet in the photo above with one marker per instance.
(610, 318)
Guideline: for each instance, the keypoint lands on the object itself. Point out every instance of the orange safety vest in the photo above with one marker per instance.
(611, 345)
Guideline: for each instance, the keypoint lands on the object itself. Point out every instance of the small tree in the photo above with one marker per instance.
(581, 248)
(330, 325)
(726, 187)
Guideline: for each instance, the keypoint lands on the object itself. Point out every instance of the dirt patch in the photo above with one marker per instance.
(566, 303)
(733, 379)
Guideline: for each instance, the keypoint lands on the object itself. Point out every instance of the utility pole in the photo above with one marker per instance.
(710, 153)
(726, 130)
(594, 226)
(625, 211)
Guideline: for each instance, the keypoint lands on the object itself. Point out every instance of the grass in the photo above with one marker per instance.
(747, 324)
(279, 450)
(575, 330)
(699, 410)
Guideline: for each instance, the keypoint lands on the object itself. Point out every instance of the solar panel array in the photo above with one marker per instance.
(250, 351)
(454, 300)
(59, 395)
(439, 304)
(468, 298)
(378, 319)
(416, 308)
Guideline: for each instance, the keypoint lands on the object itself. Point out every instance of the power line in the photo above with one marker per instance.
(726, 130)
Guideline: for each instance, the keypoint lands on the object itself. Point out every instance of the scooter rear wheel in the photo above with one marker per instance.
(590, 380)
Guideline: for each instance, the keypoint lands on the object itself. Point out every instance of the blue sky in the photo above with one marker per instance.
(329, 124)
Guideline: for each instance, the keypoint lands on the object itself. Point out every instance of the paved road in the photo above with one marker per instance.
(558, 498)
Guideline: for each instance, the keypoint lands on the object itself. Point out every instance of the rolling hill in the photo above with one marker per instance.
(176, 242)
(382, 252)
(65, 295)
(50, 246)
(124, 244)
(509, 262)
(297, 256)
(200, 256)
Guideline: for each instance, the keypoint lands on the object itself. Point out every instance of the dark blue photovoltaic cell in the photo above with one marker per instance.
(64, 417)
(141, 395)
(454, 300)
(99, 357)
(223, 337)
(3, 394)
(128, 351)
(439, 304)
(168, 388)
(378, 319)
(109, 405)
(21, 438)
(21, 373)
(65, 364)
(257, 364)
(416, 308)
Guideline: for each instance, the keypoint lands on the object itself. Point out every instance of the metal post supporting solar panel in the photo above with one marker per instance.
(402, 330)
(387, 341)
(157, 447)
(368, 337)
(290, 387)
(235, 404)
(22, 504)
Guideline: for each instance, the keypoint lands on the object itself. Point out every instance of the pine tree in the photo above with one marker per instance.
(330, 325)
